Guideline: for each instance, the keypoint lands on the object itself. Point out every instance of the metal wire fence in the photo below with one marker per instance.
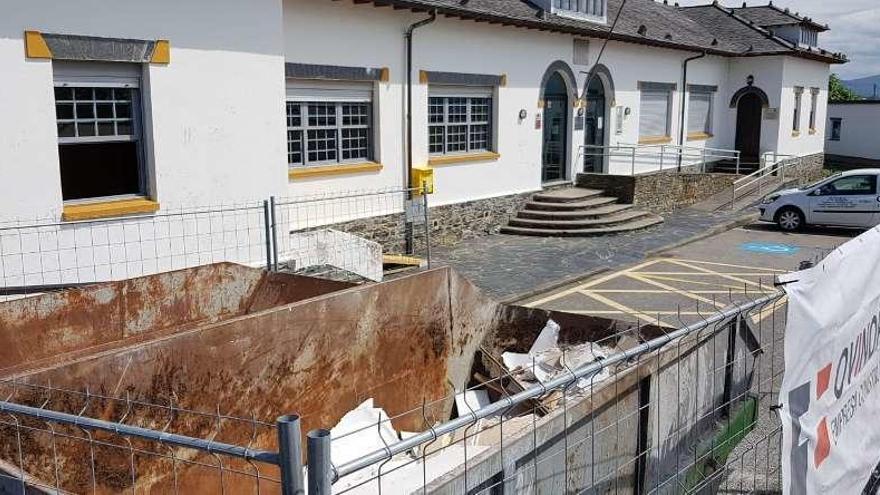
(687, 411)
(644, 410)
(344, 233)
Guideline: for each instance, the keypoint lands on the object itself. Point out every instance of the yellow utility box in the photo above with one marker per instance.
(423, 180)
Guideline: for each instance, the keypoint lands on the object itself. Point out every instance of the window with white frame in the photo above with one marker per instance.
(836, 128)
(329, 123)
(798, 101)
(655, 103)
(459, 120)
(99, 125)
(700, 111)
(814, 102)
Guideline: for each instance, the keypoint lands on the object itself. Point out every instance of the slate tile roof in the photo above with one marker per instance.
(710, 28)
(771, 15)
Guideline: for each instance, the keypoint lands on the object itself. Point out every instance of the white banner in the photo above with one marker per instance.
(830, 392)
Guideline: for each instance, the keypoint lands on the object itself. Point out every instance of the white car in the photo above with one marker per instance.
(849, 199)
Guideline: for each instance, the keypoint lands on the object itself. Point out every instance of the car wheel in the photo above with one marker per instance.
(790, 219)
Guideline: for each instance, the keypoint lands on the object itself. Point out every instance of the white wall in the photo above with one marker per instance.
(216, 122)
(214, 116)
(768, 76)
(807, 74)
(858, 136)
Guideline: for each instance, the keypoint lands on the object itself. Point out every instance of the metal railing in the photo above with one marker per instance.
(304, 233)
(677, 411)
(773, 168)
(660, 157)
(536, 454)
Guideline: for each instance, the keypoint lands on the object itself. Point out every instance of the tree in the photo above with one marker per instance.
(838, 92)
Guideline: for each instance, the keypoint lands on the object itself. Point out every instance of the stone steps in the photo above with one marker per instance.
(649, 221)
(602, 221)
(577, 212)
(574, 214)
(571, 205)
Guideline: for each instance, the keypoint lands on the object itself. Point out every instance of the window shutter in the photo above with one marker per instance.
(654, 114)
(699, 112)
(458, 91)
(96, 74)
(329, 91)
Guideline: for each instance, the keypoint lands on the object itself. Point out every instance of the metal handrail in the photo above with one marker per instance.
(780, 162)
(646, 150)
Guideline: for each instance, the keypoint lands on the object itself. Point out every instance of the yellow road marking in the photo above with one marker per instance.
(777, 270)
(710, 284)
(600, 280)
(770, 309)
(672, 289)
(620, 307)
(705, 274)
(729, 277)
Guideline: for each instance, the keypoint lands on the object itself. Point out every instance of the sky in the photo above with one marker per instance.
(855, 29)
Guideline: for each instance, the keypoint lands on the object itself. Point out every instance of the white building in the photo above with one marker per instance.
(147, 107)
(852, 133)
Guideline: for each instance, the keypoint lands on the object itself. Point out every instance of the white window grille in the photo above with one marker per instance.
(329, 124)
(459, 124)
(100, 129)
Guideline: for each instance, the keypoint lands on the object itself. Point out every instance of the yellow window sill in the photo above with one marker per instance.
(471, 157)
(699, 136)
(107, 209)
(812, 132)
(325, 170)
(796, 134)
(655, 140)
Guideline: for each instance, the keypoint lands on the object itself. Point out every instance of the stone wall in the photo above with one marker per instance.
(662, 191)
(811, 168)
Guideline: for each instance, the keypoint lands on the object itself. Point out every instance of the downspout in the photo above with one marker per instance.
(684, 92)
(408, 37)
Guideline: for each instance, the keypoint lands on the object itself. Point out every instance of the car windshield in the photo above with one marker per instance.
(820, 181)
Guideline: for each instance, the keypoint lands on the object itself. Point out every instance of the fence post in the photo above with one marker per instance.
(266, 221)
(633, 161)
(738, 158)
(290, 455)
(427, 223)
(272, 206)
(320, 465)
(662, 153)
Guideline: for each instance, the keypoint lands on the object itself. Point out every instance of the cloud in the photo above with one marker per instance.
(854, 27)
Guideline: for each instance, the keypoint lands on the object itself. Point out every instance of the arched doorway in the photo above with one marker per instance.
(554, 163)
(749, 103)
(594, 126)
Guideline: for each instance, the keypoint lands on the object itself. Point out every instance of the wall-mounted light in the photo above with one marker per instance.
(580, 111)
(627, 111)
(523, 114)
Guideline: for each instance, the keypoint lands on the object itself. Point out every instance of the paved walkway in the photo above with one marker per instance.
(507, 265)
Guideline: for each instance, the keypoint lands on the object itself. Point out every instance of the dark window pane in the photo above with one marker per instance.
(106, 129)
(86, 128)
(103, 94)
(66, 130)
(123, 127)
(83, 93)
(85, 111)
(63, 93)
(122, 94)
(123, 110)
(91, 170)
(64, 110)
(105, 110)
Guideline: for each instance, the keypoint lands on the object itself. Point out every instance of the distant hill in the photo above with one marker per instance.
(865, 86)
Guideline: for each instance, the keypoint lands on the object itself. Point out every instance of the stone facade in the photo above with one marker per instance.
(811, 168)
(662, 191)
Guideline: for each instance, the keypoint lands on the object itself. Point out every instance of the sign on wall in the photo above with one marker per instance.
(830, 392)
(771, 113)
